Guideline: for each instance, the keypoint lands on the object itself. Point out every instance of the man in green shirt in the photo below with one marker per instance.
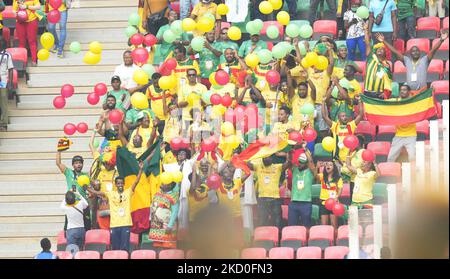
(131, 118)
(341, 61)
(225, 43)
(208, 58)
(72, 174)
(122, 96)
(252, 45)
(406, 19)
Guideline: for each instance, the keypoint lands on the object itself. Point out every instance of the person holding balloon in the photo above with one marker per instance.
(184, 63)
(160, 101)
(225, 43)
(356, 146)
(251, 46)
(233, 65)
(62, 7)
(331, 187)
(338, 99)
(108, 123)
(207, 17)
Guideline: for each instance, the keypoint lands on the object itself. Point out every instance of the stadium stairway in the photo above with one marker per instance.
(31, 187)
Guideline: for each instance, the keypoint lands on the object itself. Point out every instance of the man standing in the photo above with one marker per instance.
(313, 10)
(125, 72)
(159, 100)
(122, 96)
(73, 206)
(72, 174)
(252, 46)
(6, 73)
(406, 19)
(184, 63)
(383, 19)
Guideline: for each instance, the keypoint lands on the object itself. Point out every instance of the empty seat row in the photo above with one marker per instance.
(311, 252)
(123, 255)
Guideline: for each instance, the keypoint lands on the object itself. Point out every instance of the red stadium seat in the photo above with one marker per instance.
(9, 18)
(445, 23)
(64, 255)
(399, 44)
(423, 130)
(61, 241)
(143, 255)
(386, 133)
(428, 27)
(115, 255)
(285, 253)
(19, 56)
(324, 27)
(435, 70)
(309, 253)
(336, 252)
(266, 237)
(390, 173)
(380, 149)
(345, 194)
(342, 235)
(15, 78)
(256, 253)
(171, 254)
(440, 90)
(421, 43)
(367, 129)
(442, 52)
(97, 240)
(360, 77)
(269, 45)
(293, 236)
(87, 255)
(266, 24)
(134, 241)
(6, 33)
(447, 69)
(399, 73)
(321, 236)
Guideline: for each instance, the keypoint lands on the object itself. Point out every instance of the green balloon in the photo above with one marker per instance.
(307, 109)
(321, 48)
(206, 97)
(362, 12)
(259, 24)
(302, 48)
(210, 16)
(287, 47)
(197, 43)
(292, 30)
(346, 84)
(251, 28)
(217, 87)
(130, 31)
(278, 51)
(272, 32)
(134, 19)
(176, 27)
(335, 92)
(169, 36)
(265, 56)
(96, 143)
(306, 31)
(148, 69)
(75, 47)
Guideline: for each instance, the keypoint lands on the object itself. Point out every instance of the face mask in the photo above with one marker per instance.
(354, 9)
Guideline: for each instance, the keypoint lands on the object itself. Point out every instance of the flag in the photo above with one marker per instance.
(128, 168)
(400, 111)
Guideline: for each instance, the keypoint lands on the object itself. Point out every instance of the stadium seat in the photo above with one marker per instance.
(336, 252)
(64, 255)
(386, 133)
(143, 254)
(390, 173)
(61, 241)
(324, 27)
(87, 255)
(266, 237)
(284, 212)
(300, 22)
(6, 33)
(309, 253)
(115, 255)
(360, 77)
(442, 52)
(379, 192)
(367, 129)
(445, 23)
(20, 57)
(321, 154)
(380, 149)
(423, 130)
(97, 240)
(293, 236)
(171, 254)
(428, 27)
(421, 43)
(399, 44)
(134, 241)
(342, 235)
(255, 253)
(285, 253)
(266, 24)
(435, 70)
(440, 90)
(399, 74)
(447, 69)
(9, 18)
(321, 236)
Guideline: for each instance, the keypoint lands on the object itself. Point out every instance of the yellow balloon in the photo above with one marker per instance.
(165, 82)
(218, 111)
(212, 78)
(140, 77)
(322, 63)
(91, 58)
(234, 33)
(305, 64)
(188, 24)
(227, 129)
(311, 58)
(205, 24)
(252, 60)
(95, 47)
(177, 176)
(193, 99)
(139, 101)
(83, 180)
(265, 7)
(234, 141)
(283, 18)
(276, 4)
(328, 144)
(43, 54)
(222, 9)
(47, 40)
(166, 178)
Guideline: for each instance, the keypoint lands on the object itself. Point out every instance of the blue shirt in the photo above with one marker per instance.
(386, 24)
(45, 256)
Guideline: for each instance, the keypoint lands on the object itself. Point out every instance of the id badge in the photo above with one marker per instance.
(226, 69)
(230, 195)
(209, 64)
(109, 187)
(414, 77)
(121, 211)
(356, 189)
(266, 179)
(262, 83)
(341, 145)
(300, 185)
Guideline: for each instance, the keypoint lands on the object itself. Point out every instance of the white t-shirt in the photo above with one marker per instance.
(6, 63)
(355, 30)
(126, 75)
(74, 218)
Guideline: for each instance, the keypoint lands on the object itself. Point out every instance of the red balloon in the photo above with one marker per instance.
(115, 116)
(67, 90)
(222, 77)
(82, 127)
(59, 102)
(136, 39)
(176, 143)
(150, 40)
(53, 16)
(338, 209)
(171, 64)
(368, 156)
(230, 116)
(214, 181)
(273, 77)
(239, 112)
(329, 204)
(251, 110)
(140, 55)
(22, 16)
(295, 136)
(55, 3)
(241, 75)
(209, 144)
(100, 89)
(351, 142)
(185, 143)
(216, 99)
(70, 129)
(163, 70)
(93, 98)
(309, 134)
(227, 100)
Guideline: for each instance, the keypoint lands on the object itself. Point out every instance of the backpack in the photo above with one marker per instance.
(156, 20)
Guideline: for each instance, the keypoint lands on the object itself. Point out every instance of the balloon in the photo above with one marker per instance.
(93, 98)
(362, 12)
(83, 180)
(150, 40)
(292, 30)
(368, 156)
(283, 18)
(67, 90)
(273, 77)
(188, 24)
(307, 109)
(306, 31)
(134, 19)
(192, 99)
(265, 7)
(82, 127)
(185, 143)
(322, 63)
(222, 77)
(96, 143)
(227, 129)
(287, 47)
(165, 82)
(272, 32)
(140, 77)
(206, 97)
(22, 16)
(136, 39)
(169, 36)
(335, 92)
(139, 101)
(205, 24)
(239, 112)
(311, 58)
(210, 16)
(252, 60)
(222, 9)
(302, 48)
(55, 4)
(148, 69)
(176, 143)
(212, 79)
(100, 89)
(91, 58)
(295, 136)
(329, 204)
(230, 116)
(47, 40)
(278, 51)
(75, 47)
(259, 24)
(209, 145)
(351, 142)
(95, 47)
(338, 209)
(214, 181)
(70, 129)
(197, 43)
(166, 178)
(328, 144)
(59, 102)
(305, 64)
(130, 31)
(53, 16)
(227, 100)
(264, 56)
(43, 54)
(177, 176)
(140, 55)
(216, 99)
(234, 33)
(164, 71)
(177, 27)
(309, 134)
(115, 116)
(276, 4)
(252, 28)
(170, 64)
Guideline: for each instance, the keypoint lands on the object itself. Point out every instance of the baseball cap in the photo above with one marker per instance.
(77, 158)
(140, 115)
(302, 158)
(115, 78)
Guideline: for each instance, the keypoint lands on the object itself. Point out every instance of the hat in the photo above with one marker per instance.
(77, 158)
(140, 115)
(115, 78)
(302, 159)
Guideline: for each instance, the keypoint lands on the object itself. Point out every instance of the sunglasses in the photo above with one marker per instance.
(191, 75)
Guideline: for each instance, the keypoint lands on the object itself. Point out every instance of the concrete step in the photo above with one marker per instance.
(109, 57)
(42, 156)
(31, 220)
(25, 248)
(106, 46)
(49, 105)
(113, 35)
(24, 90)
(55, 119)
(54, 112)
(105, 25)
(32, 178)
(76, 79)
(30, 209)
(54, 135)
(32, 198)
(49, 187)
(31, 230)
(36, 166)
(101, 14)
(40, 145)
(103, 3)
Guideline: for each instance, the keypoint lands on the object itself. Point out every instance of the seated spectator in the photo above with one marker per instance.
(46, 254)
(251, 46)
(73, 206)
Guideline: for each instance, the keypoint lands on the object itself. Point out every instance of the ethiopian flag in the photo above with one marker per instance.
(400, 111)
(128, 167)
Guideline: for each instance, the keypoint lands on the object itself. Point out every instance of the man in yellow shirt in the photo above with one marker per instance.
(61, 40)
(184, 63)
(159, 100)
